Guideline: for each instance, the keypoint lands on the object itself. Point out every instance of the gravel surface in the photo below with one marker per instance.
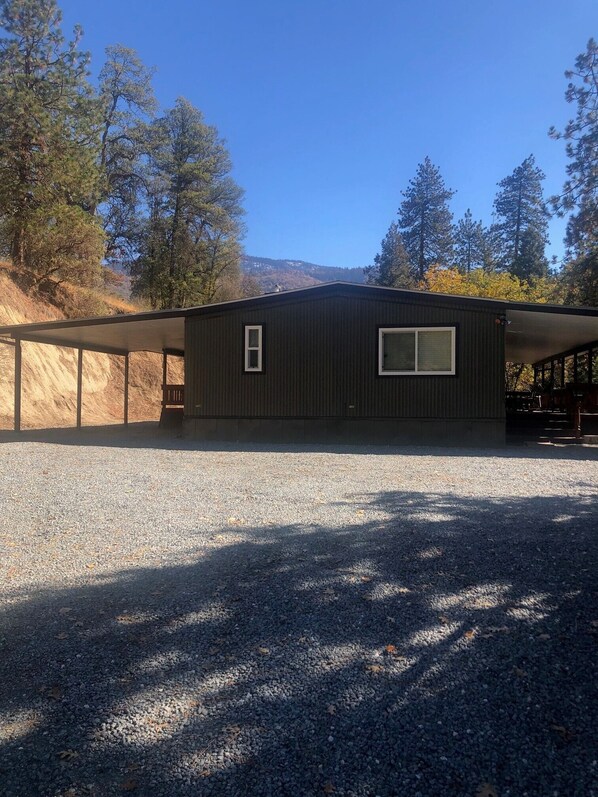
(252, 620)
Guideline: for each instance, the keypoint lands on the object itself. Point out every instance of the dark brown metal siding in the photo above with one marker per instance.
(320, 357)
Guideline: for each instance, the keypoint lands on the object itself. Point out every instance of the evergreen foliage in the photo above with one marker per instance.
(531, 261)
(491, 248)
(127, 103)
(470, 243)
(520, 206)
(425, 220)
(189, 242)
(391, 266)
(580, 191)
(49, 176)
(580, 279)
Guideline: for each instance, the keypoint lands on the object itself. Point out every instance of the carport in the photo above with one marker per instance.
(161, 331)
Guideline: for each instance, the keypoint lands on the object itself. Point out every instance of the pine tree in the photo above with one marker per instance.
(48, 146)
(391, 266)
(425, 220)
(127, 103)
(189, 244)
(491, 248)
(580, 191)
(470, 243)
(531, 262)
(519, 206)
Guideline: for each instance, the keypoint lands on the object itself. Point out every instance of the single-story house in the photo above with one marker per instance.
(343, 362)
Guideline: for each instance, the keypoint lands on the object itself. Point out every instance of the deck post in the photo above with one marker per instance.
(126, 391)
(164, 369)
(79, 385)
(17, 408)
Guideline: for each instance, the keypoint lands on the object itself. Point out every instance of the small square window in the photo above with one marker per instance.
(253, 349)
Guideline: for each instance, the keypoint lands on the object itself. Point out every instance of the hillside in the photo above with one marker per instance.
(50, 372)
(289, 274)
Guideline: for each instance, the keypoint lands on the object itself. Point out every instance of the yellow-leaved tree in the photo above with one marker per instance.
(497, 285)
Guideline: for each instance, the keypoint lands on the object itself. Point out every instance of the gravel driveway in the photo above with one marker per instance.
(249, 620)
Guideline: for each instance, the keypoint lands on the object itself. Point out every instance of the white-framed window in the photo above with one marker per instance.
(425, 351)
(253, 348)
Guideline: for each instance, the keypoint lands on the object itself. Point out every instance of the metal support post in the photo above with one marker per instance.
(126, 396)
(79, 385)
(17, 415)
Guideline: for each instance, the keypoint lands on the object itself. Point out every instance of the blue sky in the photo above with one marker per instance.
(329, 105)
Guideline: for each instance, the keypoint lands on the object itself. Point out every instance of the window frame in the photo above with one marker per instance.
(400, 329)
(247, 328)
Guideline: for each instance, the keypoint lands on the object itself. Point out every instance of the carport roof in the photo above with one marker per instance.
(535, 331)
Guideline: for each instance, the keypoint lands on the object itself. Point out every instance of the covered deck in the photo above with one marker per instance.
(562, 348)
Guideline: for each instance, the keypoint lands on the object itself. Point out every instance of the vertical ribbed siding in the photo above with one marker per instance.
(320, 357)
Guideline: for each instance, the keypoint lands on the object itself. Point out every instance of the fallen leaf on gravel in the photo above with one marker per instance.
(263, 651)
(331, 709)
(68, 755)
(328, 788)
(130, 784)
(486, 790)
(544, 637)
(390, 649)
(374, 667)
(65, 610)
(444, 619)
(235, 521)
(491, 630)
(519, 672)
(565, 734)
(366, 578)
(62, 635)
(90, 566)
(469, 634)
(213, 651)
(360, 512)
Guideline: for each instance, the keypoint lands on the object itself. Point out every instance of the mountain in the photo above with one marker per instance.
(288, 274)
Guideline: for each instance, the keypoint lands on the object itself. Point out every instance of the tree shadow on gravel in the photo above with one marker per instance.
(447, 644)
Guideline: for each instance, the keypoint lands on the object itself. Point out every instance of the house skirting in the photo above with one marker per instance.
(375, 431)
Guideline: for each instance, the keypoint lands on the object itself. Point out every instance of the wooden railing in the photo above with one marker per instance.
(173, 395)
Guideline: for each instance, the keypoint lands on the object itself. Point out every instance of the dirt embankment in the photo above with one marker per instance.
(49, 373)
